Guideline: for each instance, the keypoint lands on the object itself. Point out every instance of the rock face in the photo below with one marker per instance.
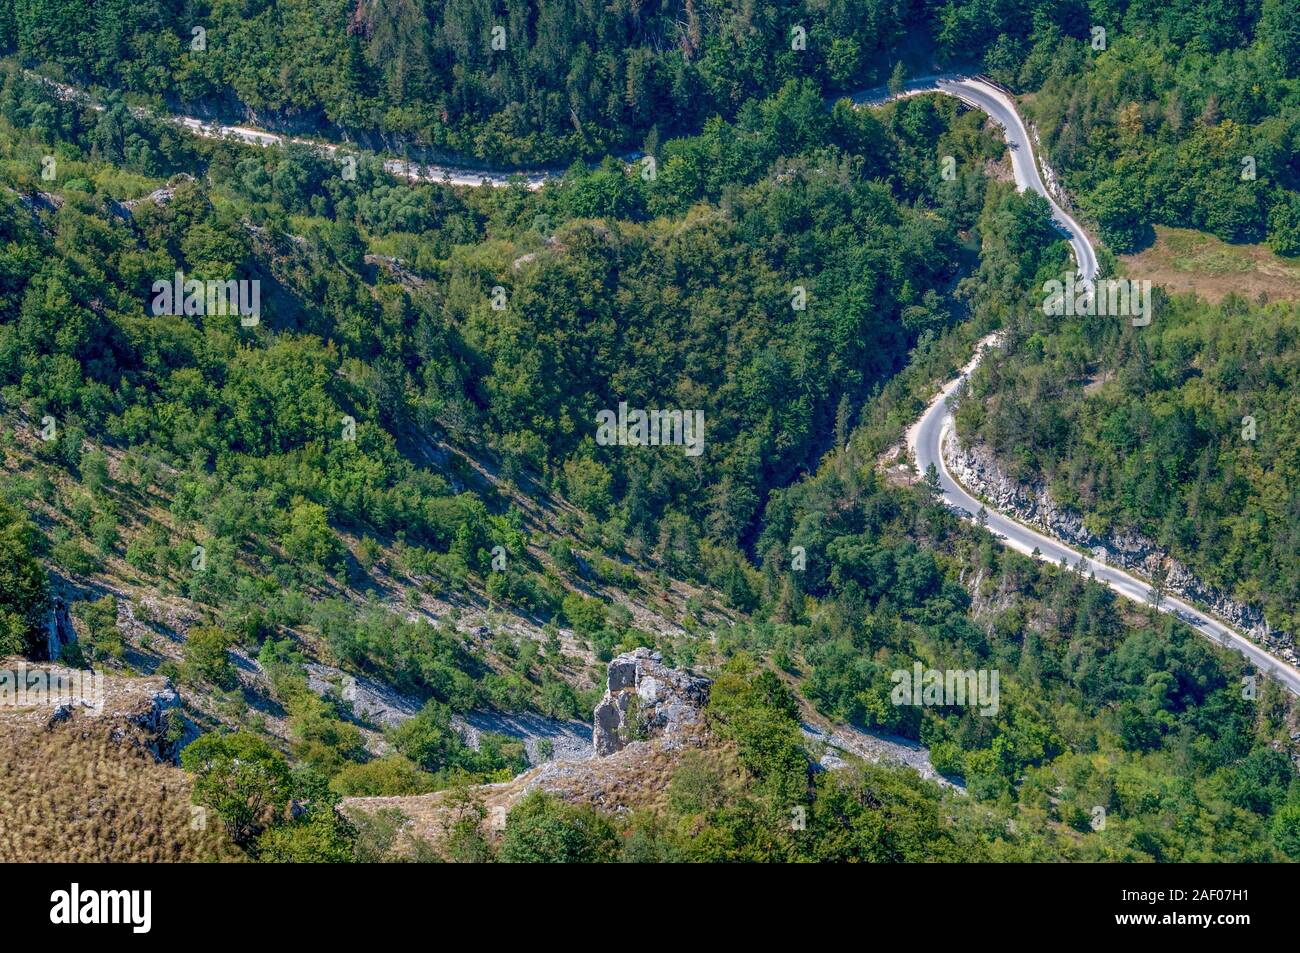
(378, 705)
(58, 629)
(978, 470)
(371, 701)
(568, 740)
(646, 699)
(144, 711)
(877, 747)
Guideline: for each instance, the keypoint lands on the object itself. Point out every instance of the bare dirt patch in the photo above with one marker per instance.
(1185, 260)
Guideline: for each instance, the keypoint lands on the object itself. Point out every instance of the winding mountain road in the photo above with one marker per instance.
(926, 437)
(252, 136)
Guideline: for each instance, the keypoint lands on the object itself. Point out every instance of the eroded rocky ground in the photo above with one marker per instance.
(649, 719)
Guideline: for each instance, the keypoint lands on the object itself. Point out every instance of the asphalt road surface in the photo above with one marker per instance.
(925, 437)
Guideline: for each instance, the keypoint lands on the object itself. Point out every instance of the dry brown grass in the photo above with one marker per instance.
(1184, 260)
(633, 779)
(89, 790)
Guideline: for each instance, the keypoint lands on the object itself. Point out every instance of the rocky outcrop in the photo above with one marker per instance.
(158, 196)
(830, 744)
(978, 470)
(646, 699)
(162, 724)
(143, 711)
(378, 705)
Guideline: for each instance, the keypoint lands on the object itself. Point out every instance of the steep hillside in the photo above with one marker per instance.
(87, 772)
(379, 530)
(530, 84)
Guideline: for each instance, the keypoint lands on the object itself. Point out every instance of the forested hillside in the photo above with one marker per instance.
(520, 83)
(1188, 114)
(1189, 117)
(294, 487)
(1186, 432)
(1099, 701)
(672, 293)
(406, 436)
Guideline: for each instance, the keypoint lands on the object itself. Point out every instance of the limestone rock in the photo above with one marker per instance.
(146, 711)
(646, 699)
(979, 471)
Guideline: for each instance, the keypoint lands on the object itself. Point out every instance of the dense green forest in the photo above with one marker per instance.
(1183, 113)
(521, 83)
(800, 274)
(238, 429)
(674, 293)
(1153, 125)
(1188, 435)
